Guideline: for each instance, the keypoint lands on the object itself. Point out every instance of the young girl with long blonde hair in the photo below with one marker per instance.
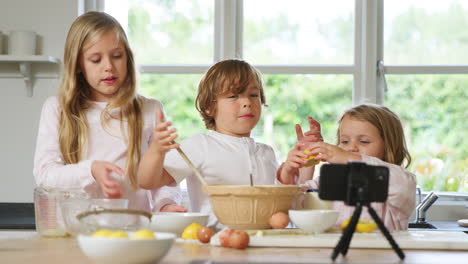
(372, 134)
(93, 134)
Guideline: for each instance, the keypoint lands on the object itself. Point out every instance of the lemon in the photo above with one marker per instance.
(310, 160)
(118, 234)
(143, 234)
(363, 225)
(102, 233)
(190, 232)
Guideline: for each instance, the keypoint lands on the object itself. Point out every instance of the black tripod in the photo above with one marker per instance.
(343, 245)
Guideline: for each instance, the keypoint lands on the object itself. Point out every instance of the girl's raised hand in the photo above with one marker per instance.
(313, 135)
(331, 153)
(163, 137)
(101, 171)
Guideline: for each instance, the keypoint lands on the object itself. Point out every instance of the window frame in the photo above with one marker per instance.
(368, 68)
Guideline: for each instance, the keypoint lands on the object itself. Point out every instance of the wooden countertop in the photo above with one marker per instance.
(29, 247)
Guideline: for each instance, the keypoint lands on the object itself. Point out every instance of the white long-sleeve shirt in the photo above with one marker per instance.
(395, 212)
(221, 159)
(103, 145)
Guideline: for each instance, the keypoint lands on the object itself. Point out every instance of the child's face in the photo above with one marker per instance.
(237, 114)
(104, 66)
(361, 137)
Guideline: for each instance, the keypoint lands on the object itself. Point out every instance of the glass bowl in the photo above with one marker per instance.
(113, 219)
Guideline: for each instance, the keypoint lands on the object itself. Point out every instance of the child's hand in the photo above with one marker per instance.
(296, 157)
(314, 133)
(101, 171)
(331, 153)
(163, 139)
(173, 208)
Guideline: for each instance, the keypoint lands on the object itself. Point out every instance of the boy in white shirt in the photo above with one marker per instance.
(230, 97)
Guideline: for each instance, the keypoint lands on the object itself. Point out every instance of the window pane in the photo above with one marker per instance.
(291, 98)
(426, 32)
(435, 127)
(170, 32)
(299, 32)
(177, 93)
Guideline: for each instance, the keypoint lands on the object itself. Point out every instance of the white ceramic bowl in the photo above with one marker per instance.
(123, 250)
(313, 221)
(176, 222)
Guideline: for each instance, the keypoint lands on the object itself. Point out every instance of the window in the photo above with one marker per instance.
(318, 58)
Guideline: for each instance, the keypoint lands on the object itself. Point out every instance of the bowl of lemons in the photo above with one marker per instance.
(120, 246)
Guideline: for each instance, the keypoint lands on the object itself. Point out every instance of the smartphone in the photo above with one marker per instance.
(340, 182)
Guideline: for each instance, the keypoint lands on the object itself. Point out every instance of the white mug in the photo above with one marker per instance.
(22, 43)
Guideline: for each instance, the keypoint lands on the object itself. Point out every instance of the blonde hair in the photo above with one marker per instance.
(74, 94)
(227, 76)
(389, 126)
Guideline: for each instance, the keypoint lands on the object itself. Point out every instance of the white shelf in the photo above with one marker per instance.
(25, 63)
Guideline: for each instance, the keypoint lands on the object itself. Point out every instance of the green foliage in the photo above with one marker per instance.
(431, 107)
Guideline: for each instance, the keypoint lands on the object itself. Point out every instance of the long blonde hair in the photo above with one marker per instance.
(389, 126)
(226, 76)
(74, 94)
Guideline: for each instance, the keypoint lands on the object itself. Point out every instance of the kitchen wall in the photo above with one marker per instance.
(19, 114)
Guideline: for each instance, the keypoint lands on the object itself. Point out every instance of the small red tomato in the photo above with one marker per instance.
(279, 220)
(224, 237)
(204, 234)
(239, 239)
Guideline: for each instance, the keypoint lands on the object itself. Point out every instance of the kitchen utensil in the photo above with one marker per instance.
(251, 179)
(113, 219)
(246, 207)
(124, 250)
(109, 204)
(445, 240)
(194, 169)
(313, 221)
(48, 213)
(176, 222)
(70, 209)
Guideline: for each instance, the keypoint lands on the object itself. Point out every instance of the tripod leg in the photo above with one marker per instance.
(386, 232)
(347, 234)
(344, 249)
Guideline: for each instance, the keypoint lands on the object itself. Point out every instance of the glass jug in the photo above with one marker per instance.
(48, 213)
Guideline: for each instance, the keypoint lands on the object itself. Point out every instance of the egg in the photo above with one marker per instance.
(239, 239)
(204, 234)
(279, 220)
(224, 237)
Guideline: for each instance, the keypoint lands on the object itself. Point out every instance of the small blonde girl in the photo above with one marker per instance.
(93, 134)
(372, 134)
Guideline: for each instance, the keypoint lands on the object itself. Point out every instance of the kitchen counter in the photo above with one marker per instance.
(29, 247)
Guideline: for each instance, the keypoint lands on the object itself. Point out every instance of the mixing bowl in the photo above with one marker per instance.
(124, 250)
(250, 207)
(176, 222)
(313, 221)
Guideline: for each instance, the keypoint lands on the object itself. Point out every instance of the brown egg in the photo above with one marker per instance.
(239, 239)
(204, 234)
(224, 237)
(279, 220)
